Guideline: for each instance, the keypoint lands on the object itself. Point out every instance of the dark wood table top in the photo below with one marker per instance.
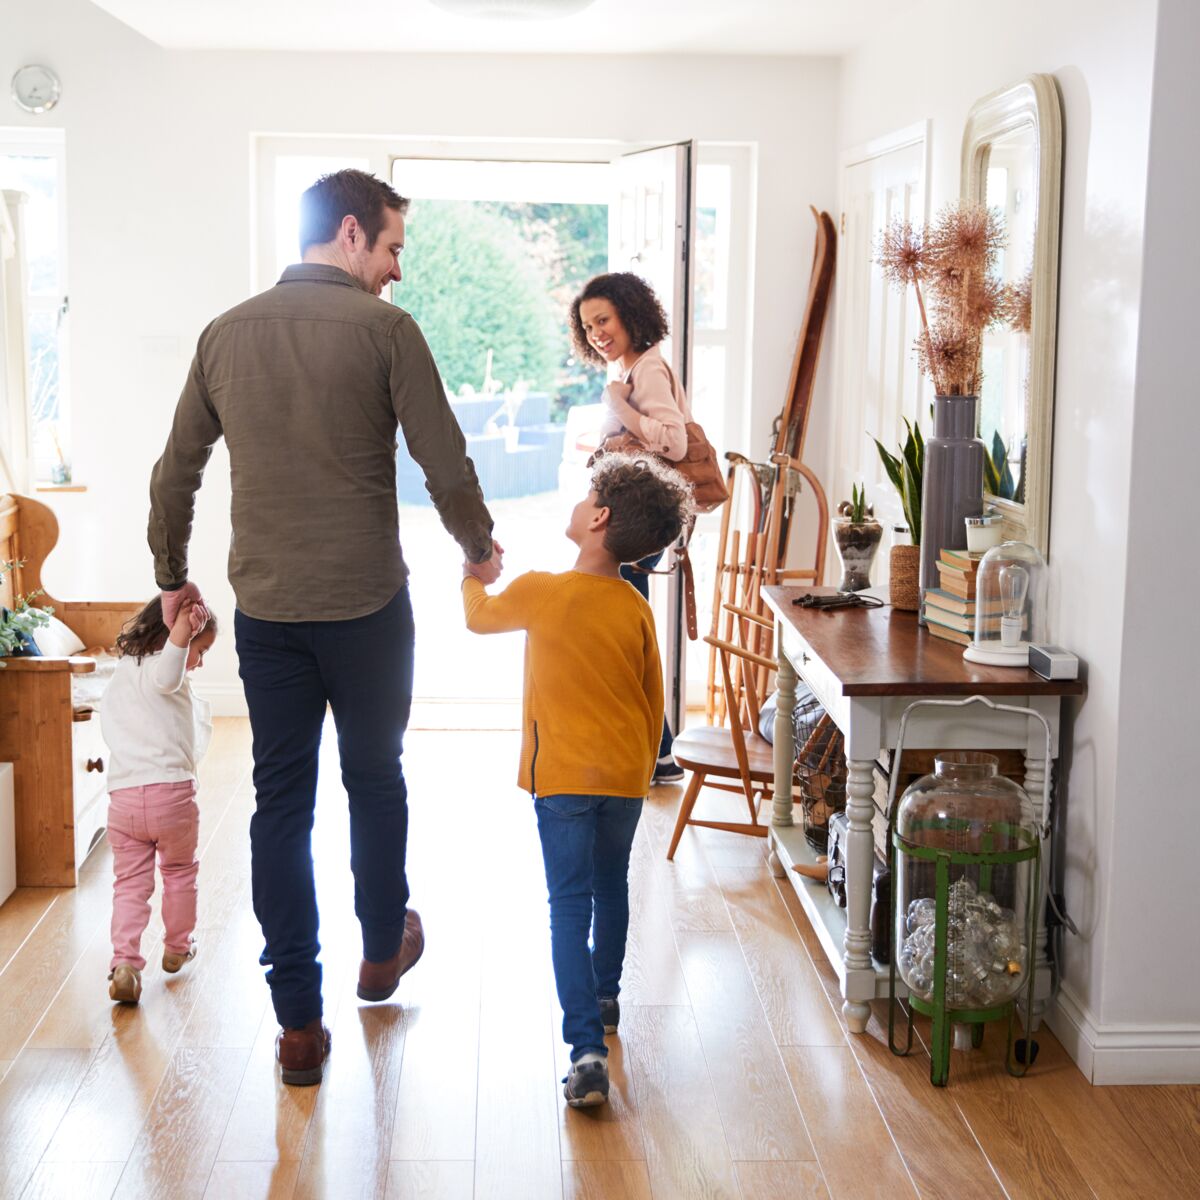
(885, 652)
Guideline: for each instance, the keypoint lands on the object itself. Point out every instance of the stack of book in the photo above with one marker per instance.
(949, 609)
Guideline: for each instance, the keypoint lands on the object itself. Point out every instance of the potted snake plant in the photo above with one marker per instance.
(905, 471)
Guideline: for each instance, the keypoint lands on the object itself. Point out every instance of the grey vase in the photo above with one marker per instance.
(952, 488)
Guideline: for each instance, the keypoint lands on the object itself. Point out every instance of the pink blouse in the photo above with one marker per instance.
(657, 409)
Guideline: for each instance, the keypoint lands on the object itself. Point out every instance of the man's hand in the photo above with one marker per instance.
(487, 572)
(172, 602)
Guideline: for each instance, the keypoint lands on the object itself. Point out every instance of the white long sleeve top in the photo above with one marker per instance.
(155, 728)
(657, 410)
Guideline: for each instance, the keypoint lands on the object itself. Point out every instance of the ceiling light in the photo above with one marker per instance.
(528, 10)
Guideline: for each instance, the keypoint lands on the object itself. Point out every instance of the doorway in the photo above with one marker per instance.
(495, 253)
(532, 187)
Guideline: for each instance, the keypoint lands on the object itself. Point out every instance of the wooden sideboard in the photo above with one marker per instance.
(57, 751)
(866, 666)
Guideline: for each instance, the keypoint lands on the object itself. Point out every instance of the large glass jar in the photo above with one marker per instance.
(957, 833)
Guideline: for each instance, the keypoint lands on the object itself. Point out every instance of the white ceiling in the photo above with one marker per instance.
(607, 27)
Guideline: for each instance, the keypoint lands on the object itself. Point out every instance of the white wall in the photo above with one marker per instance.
(158, 176)
(1129, 1009)
(1152, 905)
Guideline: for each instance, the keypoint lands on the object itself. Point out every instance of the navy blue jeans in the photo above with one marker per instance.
(363, 669)
(585, 845)
(642, 583)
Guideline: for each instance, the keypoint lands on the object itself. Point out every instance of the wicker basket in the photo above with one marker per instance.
(904, 582)
(820, 768)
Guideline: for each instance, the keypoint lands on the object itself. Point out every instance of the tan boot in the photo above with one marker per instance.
(302, 1053)
(172, 961)
(125, 984)
(377, 981)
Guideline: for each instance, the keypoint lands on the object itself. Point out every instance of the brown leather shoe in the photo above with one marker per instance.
(302, 1053)
(377, 981)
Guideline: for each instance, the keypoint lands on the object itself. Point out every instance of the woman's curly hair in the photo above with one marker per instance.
(649, 504)
(636, 304)
(147, 632)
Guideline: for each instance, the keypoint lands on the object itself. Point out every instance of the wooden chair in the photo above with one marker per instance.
(734, 758)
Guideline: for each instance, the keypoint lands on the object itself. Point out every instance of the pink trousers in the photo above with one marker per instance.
(160, 818)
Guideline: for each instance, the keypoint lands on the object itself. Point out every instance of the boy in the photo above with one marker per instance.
(593, 713)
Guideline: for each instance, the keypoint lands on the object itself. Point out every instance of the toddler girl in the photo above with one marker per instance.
(156, 732)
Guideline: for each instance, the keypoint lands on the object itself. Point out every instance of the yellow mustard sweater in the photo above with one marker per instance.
(593, 706)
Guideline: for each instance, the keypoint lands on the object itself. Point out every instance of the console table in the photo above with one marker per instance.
(865, 666)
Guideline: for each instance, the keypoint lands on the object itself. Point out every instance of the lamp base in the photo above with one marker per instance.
(994, 655)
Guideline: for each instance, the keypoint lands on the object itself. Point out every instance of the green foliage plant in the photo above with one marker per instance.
(997, 478)
(906, 472)
(858, 504)
(19, 622)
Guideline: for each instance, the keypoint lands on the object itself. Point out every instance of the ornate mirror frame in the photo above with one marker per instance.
(1034, 101)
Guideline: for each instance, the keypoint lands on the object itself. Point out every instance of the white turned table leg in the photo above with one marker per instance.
(860, 862)
(785, 740)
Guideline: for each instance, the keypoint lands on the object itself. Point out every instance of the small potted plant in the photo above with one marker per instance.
(856, 534)
(18, 623)
(905, 471)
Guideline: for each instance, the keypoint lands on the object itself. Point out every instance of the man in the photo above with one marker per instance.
(307, 384)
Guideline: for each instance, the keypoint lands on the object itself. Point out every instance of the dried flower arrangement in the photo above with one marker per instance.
(951, 265)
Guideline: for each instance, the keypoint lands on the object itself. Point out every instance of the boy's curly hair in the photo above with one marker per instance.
(649, 504)
(147, 632)
(636, 304)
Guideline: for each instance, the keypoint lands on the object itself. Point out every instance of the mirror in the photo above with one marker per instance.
(1012, 161)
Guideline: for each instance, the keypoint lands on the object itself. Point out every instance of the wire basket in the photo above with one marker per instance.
(820, 768)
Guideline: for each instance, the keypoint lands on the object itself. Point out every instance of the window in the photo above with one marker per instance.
(32, 178)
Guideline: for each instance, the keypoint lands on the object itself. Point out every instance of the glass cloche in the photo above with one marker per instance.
(1010, 606)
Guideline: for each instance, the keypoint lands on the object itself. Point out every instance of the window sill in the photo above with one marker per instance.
(60, 487)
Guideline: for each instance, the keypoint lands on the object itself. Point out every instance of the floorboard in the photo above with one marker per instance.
(733, 1077)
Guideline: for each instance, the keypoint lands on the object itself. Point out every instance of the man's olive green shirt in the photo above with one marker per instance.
(307, 384)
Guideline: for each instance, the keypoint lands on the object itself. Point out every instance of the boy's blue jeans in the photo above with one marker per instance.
(586, 842)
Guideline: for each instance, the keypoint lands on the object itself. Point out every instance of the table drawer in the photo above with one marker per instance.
(89, 763)
(816, 674)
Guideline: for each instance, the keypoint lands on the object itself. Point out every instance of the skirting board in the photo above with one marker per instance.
(227, 699)
(1125, 1054)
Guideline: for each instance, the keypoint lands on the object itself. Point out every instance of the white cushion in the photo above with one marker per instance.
(56, 640)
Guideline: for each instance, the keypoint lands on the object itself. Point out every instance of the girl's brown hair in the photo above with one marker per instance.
(147, 632)
(636, 304)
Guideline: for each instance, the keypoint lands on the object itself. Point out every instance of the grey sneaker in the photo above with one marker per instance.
(586, 1083)
(610, 1013)
(125, 984)
(668, 771)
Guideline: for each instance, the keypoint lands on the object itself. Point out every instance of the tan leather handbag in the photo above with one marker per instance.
(698, 465)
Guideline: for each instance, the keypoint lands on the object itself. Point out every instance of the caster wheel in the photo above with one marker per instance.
(1024, 1047)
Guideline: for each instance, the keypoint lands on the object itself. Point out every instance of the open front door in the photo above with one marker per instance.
(649, 233)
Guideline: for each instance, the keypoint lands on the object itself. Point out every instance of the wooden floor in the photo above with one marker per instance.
(733, 1076)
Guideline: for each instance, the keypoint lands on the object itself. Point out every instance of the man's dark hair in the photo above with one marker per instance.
(649, 504)
(347, 193)
(147, 632)
(636, 304)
